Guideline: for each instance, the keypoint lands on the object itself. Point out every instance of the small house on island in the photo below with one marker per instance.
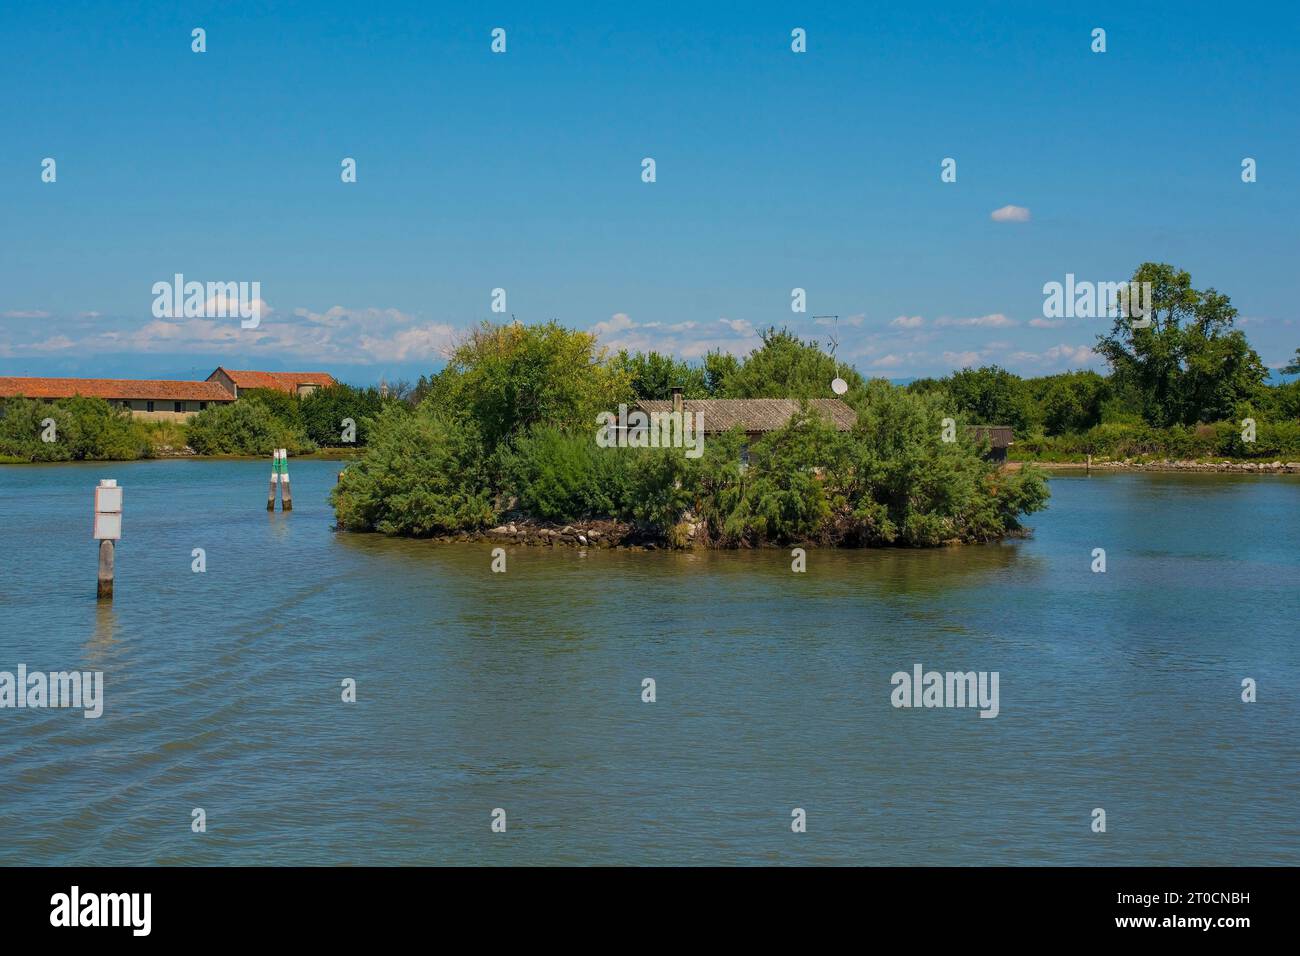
(758, 416)
(754, 416)
(998, 437)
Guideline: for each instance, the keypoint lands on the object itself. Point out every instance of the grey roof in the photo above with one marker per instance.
(999, 436)
(755, 414)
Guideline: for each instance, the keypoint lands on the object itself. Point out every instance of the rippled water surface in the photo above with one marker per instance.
(523, 690)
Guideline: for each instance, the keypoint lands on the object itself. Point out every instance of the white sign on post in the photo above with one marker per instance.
(108, 510)
(108, 526)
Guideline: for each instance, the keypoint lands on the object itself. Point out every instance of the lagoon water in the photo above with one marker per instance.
(523, 690)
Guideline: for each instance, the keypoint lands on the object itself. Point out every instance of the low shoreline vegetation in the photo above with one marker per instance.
(70, 429)
(509, 428)
(265, 419)
(1220, 441)
(90, 429)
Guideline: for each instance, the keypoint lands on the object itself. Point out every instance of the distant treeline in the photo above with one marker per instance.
(71, 429)
(265, 419)
(91, 429)
(1180, 387)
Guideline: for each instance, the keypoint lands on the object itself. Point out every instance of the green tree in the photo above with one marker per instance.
(325, 409)
(248, 426)
(1069, 402)
(786, 367)
(512, 377)
(653, 376)
(718, 369)
(780, 495)
(1189, 364)
(992, 396)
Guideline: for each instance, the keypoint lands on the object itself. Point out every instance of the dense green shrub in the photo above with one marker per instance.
(899, 483)
(422, 474)
(324, 410)
(1119, 440)
(249, 426)
(659, 488)
(563, 476)
(779, 495)
(85, 429)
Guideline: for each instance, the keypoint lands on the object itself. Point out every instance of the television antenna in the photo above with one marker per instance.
(838, 385)
(833, 339)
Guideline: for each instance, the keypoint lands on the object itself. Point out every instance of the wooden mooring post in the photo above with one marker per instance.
(107, 530)
(280, 477)
(275, 479)
(286, 496)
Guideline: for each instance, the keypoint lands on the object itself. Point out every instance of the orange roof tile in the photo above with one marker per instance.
(282, 381)
(113, 388)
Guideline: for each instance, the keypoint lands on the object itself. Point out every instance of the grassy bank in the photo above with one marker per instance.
(1220, 441)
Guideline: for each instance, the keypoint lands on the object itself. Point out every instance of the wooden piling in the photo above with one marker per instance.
(107, 529)
(286, 496)
(104, 591)
(275, 477)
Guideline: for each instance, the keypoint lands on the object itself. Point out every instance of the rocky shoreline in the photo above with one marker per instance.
(1229, 467)
(587, 534)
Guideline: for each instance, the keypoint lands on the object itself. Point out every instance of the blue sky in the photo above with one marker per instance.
(522, 170)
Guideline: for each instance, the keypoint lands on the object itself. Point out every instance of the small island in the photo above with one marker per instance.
(526, 436)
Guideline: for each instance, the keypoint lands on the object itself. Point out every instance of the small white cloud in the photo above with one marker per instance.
(908, 322)
(25, 314)
(55, 344)
(995, 320)
(1010, 214)
(1059, 355)
(739, 326)
(1074, 354)
(961, 359)
(1046, 323)
(618, 322)
(223, 304)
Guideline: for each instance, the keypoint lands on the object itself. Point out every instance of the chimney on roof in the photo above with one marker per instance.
(677, 398)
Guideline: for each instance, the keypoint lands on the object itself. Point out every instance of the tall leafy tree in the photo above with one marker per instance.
(992, 396)
(784, 366)
(509, 378)
(1188, 364)
(654, 375)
